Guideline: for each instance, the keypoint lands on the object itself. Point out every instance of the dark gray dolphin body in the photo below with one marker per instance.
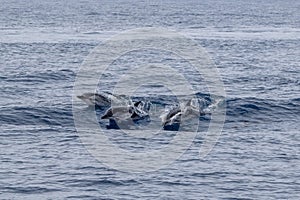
(95, 99)
(102, 99)
(118, 112)
(176, 114)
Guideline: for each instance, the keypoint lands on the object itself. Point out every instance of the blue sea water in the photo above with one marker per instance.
(256, 48)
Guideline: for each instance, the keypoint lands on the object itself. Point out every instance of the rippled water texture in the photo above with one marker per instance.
(256, 48)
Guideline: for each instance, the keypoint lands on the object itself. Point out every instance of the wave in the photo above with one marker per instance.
(249, 109)
(253, 109)
(20, 115)
(40, 77)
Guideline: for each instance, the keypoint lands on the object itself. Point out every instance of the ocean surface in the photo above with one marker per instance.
(255, 46)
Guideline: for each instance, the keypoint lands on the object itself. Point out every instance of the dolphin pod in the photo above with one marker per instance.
(122, 110)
